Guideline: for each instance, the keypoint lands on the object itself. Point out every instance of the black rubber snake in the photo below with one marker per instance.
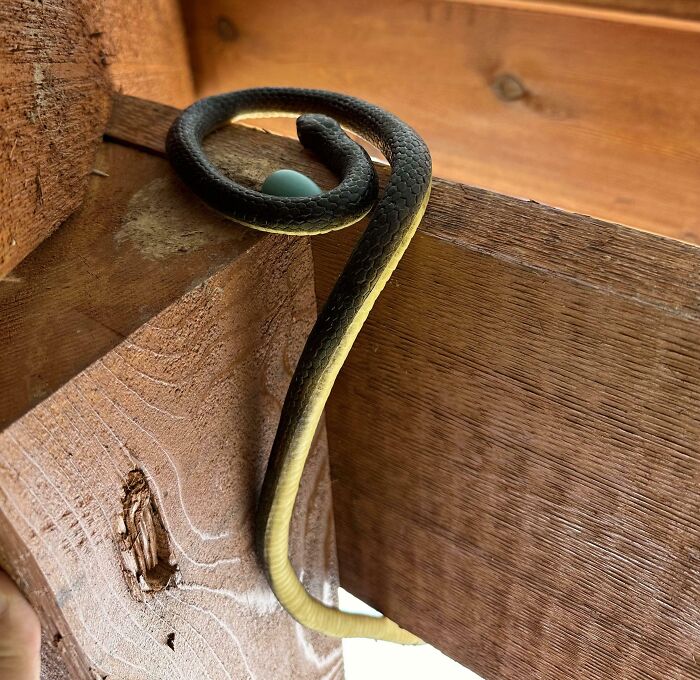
(392, 223)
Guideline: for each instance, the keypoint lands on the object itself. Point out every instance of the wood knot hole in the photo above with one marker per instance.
(146, 551)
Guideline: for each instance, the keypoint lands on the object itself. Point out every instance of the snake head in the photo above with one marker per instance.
(324, 136)
(310, 124)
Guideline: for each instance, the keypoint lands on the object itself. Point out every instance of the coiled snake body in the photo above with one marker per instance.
(391, 226)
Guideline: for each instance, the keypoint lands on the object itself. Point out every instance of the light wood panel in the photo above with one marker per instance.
(592, 116)
(145, 49)
(146, 349)
(514, 441)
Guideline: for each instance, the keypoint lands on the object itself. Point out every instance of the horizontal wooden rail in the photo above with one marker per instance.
(514, 441)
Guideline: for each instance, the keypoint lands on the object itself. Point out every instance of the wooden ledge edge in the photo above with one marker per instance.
(648, 268)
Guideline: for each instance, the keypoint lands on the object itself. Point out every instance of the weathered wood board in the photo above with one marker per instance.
(53, 108)
(59, 61)
(515, 439)
(146, 350)
(515, 443)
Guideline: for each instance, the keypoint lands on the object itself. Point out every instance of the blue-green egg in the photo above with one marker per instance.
(289, 183)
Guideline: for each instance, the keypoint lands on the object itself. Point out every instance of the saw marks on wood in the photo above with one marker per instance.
(58, 63)
(515, 442)
(54, 104)
(131, 480)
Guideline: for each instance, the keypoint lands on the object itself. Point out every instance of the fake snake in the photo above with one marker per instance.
(392, 223)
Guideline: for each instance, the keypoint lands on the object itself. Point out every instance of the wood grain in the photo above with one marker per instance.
(58, 61)
(683, 14)
(53, 107)
(146, 350)
(145, 49)
(514, 440)
(515, 443)
(141, 124)
(592, 116)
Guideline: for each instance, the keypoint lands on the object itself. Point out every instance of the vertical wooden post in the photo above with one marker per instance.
(145, 354)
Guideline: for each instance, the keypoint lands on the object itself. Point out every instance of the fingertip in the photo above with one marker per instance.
(19, 624)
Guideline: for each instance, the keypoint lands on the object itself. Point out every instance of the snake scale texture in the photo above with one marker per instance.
(394, 218)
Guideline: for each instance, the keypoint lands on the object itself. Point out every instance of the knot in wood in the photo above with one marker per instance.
(146, 554)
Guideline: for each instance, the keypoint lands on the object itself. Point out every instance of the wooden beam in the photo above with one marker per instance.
(514, 441)
(58, 62)
(675, 14)
(591, 116)
(145, 352)
(53, 110)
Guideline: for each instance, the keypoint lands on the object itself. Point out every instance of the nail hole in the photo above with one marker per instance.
(171, 641)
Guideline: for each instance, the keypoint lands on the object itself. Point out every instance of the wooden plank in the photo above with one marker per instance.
(682, 14)
(141, 124)
(514, 441)
(146, 348)
(58, 61)
(145, 49)
(594, 117)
